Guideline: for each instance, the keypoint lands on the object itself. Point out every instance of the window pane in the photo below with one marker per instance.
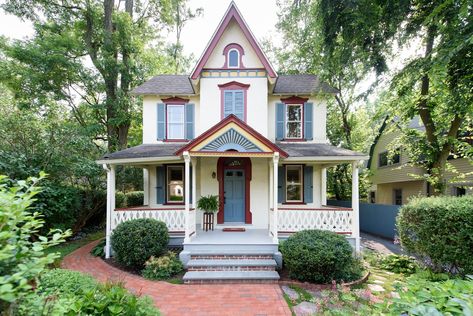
(294, 113)
(175, 184)
(233, 58)
(383, 159)
(293, 130)
(294, 192)
(293, 175)
(175, 121)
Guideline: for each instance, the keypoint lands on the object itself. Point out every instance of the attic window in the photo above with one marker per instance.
(233, 58)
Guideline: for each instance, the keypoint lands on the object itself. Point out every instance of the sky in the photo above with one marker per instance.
(260, 15)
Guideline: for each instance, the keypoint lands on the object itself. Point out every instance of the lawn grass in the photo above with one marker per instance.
(69, 246)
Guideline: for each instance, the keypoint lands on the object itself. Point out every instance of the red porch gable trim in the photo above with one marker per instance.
(232, 13)
(232, 119)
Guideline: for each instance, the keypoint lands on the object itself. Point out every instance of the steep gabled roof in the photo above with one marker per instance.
(232, 14)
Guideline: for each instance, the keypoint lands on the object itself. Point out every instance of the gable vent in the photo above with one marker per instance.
(231, 140)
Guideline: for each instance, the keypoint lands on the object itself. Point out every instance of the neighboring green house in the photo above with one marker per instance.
(394, 180)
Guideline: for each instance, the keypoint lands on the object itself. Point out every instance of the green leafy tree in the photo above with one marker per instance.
(87, 54)
(22, 250)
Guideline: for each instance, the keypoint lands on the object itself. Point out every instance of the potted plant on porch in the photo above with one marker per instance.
(208, 204)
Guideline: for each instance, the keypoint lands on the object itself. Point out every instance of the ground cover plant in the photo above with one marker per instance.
(161, 268)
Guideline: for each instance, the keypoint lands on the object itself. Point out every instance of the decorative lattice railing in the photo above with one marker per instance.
(339, 220)
(175, 219)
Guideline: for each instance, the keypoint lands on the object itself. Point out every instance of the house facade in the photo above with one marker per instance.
(395, 180)
(235, 128)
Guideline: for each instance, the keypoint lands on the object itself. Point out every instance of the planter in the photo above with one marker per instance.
(208, 221)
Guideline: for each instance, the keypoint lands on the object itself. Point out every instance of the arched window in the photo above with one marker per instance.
(233, 58)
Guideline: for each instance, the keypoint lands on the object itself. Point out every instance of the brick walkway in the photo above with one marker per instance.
(179, 299)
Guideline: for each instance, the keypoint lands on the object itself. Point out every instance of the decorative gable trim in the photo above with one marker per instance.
(232, 119)
(231, 140)
(232, 13)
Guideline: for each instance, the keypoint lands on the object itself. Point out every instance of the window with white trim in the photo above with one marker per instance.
(175, 184)
(294, 183)
(233, 58)
(294, 121)
(175, 119)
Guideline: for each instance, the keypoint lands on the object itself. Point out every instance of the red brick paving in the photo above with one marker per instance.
(180, 299)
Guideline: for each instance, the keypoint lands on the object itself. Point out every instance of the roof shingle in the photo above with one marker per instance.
(301, 84)
(166, 85)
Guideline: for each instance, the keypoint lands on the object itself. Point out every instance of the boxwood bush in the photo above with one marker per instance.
(439, 231)
(135, 241)
(320, 257)
(134, 198)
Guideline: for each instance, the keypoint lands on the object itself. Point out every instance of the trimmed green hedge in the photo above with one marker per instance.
(134, 198)
(439, 231)
(320, 257)
(135, 241)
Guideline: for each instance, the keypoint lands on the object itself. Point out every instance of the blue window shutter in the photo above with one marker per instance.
(280, 118)
(308, 184)
(308, 120)
(227, 103)
(281, 184)
(239, 104)
(160, 184)
(161, 134)
(190, 119)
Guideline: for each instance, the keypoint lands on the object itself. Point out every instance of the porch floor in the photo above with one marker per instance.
(217, 237)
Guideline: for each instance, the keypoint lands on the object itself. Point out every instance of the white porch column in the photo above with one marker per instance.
(110, 206)
(194, 190)
(323, 186)
(271, 192)
(355, 204)
(187, 160)
(275, 195)
(145, 186)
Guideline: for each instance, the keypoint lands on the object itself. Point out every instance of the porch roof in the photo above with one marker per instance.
(324, 151)
(163, 150)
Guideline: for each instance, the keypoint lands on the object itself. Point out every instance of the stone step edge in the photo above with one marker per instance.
(231, 253)
(230, 275)
(231, 262)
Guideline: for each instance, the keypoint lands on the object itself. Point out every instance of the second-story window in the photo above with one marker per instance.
(233, 58)
(175, 119)
(234, 103)
(294, 121)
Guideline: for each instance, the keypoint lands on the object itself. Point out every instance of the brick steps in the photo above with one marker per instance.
(231, 265)
(231, 277)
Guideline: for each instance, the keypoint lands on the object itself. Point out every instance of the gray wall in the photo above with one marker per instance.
(376, 219)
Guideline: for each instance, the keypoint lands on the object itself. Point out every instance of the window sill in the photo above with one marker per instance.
(170, 203)
(294, 203)
(294, 140)
(175, 140)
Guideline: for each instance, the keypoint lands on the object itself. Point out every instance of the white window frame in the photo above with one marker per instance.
(301, 184)
(238, 58)
(301, 121)
(183, 121)
(168, 184)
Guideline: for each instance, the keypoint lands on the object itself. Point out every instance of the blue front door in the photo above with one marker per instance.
(234, 195)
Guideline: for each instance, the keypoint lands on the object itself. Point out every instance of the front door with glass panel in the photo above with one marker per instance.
(234, 195)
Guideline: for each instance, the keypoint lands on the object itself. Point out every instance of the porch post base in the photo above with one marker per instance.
(278, 258)
(185, 257)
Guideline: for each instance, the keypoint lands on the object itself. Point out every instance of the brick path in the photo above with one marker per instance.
(179, 299)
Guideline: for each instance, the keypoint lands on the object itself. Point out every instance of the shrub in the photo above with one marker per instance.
(438, 231)
(135, 198)
(399, 264)
(164, 267)
(65, 281)
(135, 241)
(23, 258)
(422, 297)
(120, 199)
(319, 256)
(64, 292)
(99, 249)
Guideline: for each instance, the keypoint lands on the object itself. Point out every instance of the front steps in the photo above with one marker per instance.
(231, 267)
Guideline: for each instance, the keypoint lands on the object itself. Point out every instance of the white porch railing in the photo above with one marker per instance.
(272, 229)
(175, 218)
(338, 220)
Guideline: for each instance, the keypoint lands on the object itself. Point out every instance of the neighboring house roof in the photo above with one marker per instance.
(232, 14)
(166, 85)
(225, 122)
(316, 150)
(301, 84)
(144, 151)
